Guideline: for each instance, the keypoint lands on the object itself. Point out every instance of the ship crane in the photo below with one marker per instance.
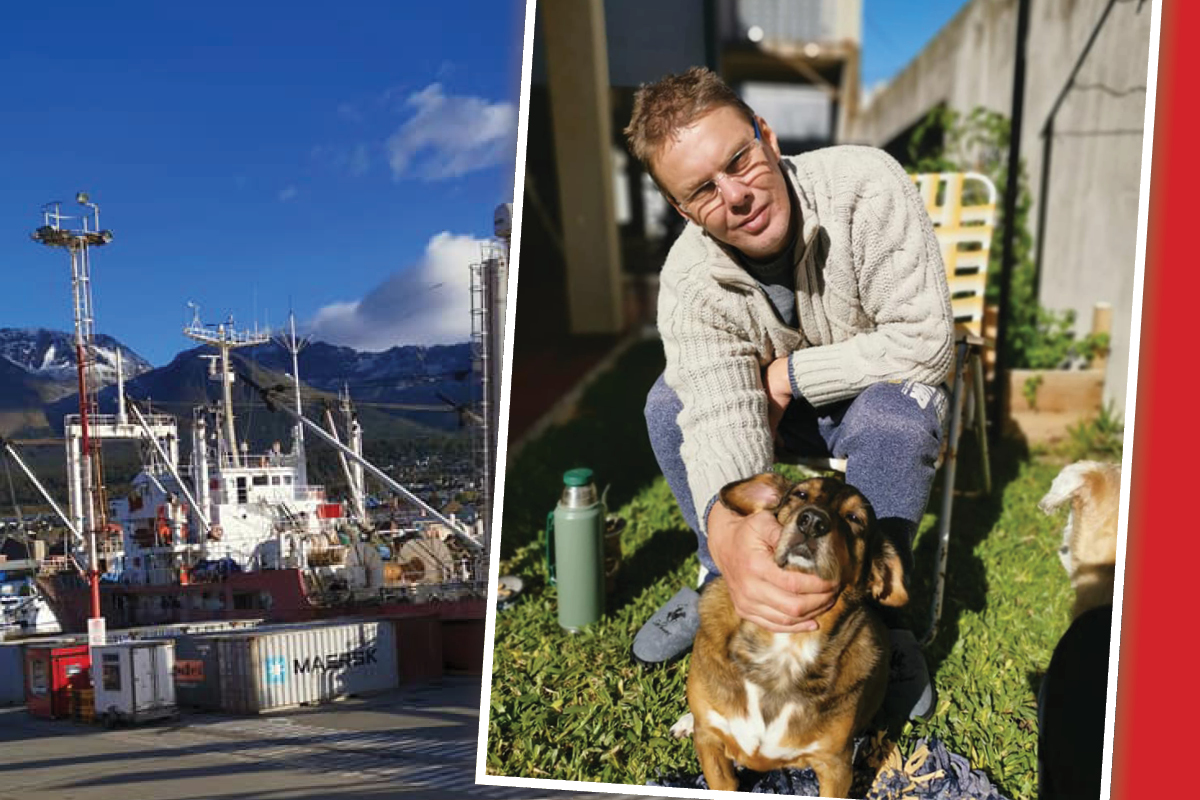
(76, 535)
(273, 397)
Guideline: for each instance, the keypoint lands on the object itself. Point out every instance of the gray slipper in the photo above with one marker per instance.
(667, 636)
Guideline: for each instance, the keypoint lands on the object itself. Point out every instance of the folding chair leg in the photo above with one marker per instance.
(950, 465)
(981, 432)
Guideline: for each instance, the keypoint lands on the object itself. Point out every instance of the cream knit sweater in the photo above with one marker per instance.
(871, 297)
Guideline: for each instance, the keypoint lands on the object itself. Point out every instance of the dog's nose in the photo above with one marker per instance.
(814, 522)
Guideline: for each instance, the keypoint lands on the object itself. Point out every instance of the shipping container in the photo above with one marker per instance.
(12, 674)
(314, 663)
(133, 681)
(462, 645)
(52, 671)
(197, 675)
(197, 669)
(418, 648)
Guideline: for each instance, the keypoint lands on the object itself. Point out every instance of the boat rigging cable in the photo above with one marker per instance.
(274, 404)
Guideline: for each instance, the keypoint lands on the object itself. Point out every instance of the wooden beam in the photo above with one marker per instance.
(577, 71)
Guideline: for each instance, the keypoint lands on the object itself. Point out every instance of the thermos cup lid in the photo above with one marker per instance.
(581, 476)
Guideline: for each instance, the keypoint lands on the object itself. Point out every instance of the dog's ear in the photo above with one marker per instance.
(755, 494)
(1072, 481)
(886, 582)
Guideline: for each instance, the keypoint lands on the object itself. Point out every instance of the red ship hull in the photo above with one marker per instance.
(274, 596)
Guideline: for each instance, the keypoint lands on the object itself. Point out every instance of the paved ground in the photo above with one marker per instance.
(415, 743)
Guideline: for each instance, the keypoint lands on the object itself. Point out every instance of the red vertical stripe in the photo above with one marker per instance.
(1158, 700)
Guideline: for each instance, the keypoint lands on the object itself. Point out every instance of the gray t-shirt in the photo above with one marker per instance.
(777, 277)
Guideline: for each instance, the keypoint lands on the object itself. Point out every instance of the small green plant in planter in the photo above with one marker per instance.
(1101, 438)
(1030, 389)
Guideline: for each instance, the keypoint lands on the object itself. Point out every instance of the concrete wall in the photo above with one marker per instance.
(1094, 176)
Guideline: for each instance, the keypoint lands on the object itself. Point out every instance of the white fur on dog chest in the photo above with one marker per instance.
(753, 735)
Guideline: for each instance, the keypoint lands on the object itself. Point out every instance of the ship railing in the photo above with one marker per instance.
(162, 576)
(112, 420)
(432, 592)
(310, 492)
(55, 564)
(222, 333)
(258, 461)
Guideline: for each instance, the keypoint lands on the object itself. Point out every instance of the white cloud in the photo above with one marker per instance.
(425, 304)
(288, 193)
(449, 136)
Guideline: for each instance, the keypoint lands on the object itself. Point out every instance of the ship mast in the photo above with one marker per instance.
(294, 345)
(226, 339)
(78, 242)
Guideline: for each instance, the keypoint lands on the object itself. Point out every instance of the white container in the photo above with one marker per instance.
(133, 680)
(314, 663)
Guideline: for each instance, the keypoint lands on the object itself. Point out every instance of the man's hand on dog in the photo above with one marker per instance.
(784, 601)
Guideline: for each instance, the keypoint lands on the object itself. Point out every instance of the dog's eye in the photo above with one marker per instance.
(854, 518)
(803, 495)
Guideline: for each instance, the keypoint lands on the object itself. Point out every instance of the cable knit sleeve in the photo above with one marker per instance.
(902, 288)
(715, 371)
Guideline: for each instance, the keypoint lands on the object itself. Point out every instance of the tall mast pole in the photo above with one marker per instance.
(294, 345)
(77, 242)
(225, 338)
(227, 396)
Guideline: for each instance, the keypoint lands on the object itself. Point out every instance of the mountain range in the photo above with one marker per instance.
(48, 358)
(38, 383)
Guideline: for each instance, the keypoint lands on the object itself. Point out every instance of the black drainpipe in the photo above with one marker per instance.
(1010, 210)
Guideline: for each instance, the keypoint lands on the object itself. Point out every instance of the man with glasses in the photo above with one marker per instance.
(805, 307)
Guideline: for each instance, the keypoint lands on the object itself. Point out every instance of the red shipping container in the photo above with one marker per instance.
(462, 645)
(329, 511)
(52, 671)
(418, 648)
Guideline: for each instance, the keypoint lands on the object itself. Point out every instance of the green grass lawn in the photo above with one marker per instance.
(576, 707)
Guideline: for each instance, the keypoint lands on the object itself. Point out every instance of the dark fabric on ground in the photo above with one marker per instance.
(931, 772)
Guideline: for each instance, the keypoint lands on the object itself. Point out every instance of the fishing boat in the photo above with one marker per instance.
(217, 531)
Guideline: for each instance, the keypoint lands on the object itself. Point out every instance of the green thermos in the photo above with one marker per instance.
(575, 551)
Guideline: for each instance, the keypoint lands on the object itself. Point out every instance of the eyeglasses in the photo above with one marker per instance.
(742, 164)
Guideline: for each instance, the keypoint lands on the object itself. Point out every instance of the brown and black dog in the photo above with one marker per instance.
(772, 700)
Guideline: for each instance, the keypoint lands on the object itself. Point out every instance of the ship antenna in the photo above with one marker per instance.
(294, 345)
(226, 339)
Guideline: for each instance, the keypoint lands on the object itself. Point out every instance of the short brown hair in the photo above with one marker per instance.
(673, 103)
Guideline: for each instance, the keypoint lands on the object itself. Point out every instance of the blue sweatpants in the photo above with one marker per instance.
(890, 435)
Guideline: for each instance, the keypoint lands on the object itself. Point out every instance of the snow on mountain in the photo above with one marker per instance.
(50, 355)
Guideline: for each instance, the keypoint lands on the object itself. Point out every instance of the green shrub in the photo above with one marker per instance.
(1101, 438)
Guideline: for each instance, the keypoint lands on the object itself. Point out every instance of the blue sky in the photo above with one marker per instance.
(343, 159)
(894, 31)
